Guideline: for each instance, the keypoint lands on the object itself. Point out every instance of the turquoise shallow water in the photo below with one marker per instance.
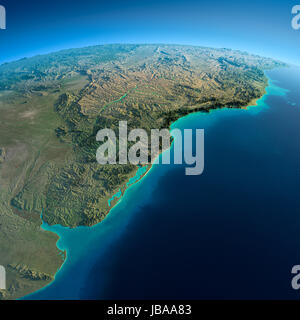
(80, 241)
(98, 255)
(140, 172)
(118, 195)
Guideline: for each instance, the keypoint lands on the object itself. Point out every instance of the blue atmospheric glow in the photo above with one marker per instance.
(262, 27)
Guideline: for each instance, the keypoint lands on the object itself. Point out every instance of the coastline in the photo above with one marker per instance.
(57, 229)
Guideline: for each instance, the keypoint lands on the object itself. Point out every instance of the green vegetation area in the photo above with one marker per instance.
(51, 108)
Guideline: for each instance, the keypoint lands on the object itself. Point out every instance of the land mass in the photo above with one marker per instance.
(52, 107)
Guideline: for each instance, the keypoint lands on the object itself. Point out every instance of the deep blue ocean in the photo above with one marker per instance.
(232, 232)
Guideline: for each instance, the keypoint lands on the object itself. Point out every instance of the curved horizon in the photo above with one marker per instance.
(262, 28)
